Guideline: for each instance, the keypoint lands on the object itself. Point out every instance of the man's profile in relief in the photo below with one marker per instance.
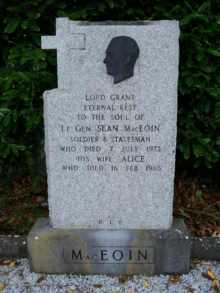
(121, 55)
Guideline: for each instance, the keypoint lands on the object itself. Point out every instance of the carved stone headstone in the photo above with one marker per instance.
(111, 125)
(110, 140)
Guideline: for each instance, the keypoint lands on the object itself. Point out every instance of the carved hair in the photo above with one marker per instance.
(129, 46)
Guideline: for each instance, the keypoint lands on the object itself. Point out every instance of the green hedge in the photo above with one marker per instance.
(28, 71)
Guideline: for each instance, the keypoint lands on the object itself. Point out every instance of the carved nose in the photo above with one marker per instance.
(105, 60)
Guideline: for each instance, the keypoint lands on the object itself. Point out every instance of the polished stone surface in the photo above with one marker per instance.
(111, 252)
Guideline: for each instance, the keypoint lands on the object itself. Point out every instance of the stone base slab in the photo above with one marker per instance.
(111, 252)
(206, 248)
(13, 247)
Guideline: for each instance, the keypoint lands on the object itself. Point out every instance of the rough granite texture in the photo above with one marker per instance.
(13, 247)
(111, 252)
(206, 248)
(85, 193)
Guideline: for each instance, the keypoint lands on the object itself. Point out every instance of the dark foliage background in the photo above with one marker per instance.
(26, 71)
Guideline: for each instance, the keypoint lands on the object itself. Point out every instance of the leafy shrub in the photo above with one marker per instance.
(28, 71)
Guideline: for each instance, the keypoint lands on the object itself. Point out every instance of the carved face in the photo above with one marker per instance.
(114, 58)
(121, 55)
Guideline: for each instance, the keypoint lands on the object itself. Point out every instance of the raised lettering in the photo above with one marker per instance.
(122, 97)
(141, 128)
(95, 168)
(104, 159)
(92, 148)
(98, 116)
(103, 254)
(120, 257)
(119, 117)
(131, 159)
(140, 254)
(76, 256)
(84, 139)
(81, 128)
(99, 107)
(64, 128)
(107, 128)
(70, 167)
(130, 139)
(67, 148)
(94, 257)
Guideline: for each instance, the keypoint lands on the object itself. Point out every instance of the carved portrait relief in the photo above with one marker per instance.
(121, 56)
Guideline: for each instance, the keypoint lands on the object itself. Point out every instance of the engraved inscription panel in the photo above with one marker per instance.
(111, 255)
(121, 128)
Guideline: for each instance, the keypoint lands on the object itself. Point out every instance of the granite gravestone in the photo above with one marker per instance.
(110, 140)
(111, 125)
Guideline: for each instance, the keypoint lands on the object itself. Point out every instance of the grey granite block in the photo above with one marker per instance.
(205, 248)
(13, 247)
(112, 252)
(110, 147)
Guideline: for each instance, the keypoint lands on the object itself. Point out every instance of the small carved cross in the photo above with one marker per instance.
(62, 42)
